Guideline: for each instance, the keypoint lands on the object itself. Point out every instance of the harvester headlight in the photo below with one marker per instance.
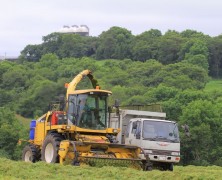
(68, 127)
(175, 153)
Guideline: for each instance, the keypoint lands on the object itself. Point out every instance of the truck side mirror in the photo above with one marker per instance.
(117, 103)
(137, 134)
(186, 129)
(109, 109)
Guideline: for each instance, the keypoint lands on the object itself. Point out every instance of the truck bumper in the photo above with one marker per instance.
(162, 158)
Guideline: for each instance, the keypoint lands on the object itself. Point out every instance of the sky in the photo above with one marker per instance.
(24, 22)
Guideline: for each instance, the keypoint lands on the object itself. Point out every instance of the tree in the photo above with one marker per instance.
(180, 75)
(204, 120)
(169, 46)
(199, 60)
(73, 45)
(9, 133)
(144, 46)
(215, 56)
(4, 67)
(31, 53)
(52, 43)
(15, 77)
(192, 34)
(114, 44)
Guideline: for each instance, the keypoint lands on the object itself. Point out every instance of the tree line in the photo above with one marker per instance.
(119, 43)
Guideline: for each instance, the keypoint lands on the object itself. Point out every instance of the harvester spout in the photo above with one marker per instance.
(72, 85)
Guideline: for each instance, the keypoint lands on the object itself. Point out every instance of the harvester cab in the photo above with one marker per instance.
(80, 133)
(88, 109)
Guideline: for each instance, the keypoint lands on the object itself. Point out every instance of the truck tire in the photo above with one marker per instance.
(31, 153)
(50, 148)
(170, 167)
(147, 166)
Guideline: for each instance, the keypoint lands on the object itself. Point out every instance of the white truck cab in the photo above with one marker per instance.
(158, 138)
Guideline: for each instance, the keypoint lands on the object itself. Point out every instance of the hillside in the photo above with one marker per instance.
(21, 170)
(24, 121)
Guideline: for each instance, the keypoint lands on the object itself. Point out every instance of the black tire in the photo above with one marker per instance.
(50, 148)
(31, 153)
(147, 166)
(170, 167)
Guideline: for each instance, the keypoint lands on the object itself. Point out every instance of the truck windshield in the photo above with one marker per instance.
(88, 110)
(160, 131)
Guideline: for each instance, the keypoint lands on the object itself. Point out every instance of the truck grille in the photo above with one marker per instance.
(161, 152)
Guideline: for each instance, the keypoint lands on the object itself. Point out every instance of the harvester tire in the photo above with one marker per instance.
(50, 148)
(31, 153)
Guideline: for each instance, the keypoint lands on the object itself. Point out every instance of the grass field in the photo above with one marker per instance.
(214, 85)
(21, 170)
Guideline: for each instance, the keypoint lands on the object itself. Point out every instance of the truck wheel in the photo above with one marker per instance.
(147, 166)
(170, 167)
(50, 148)
(31, 153)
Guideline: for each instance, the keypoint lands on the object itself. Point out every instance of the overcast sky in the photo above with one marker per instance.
(24, 22)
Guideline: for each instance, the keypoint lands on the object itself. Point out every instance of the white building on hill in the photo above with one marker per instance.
(82, 30)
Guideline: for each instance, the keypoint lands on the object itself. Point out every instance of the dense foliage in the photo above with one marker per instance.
(10, 131)
(170, 69)
(119, 43)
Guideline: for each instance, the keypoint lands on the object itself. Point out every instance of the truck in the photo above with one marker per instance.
(158, 137)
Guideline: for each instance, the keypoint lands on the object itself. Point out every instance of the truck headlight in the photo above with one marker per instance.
(175, 153)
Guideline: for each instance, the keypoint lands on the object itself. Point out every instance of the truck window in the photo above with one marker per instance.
(134, 127)
(138, 130)
(128, 129)
(160, 130)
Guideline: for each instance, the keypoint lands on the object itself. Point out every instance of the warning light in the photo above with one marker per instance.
(66, 85)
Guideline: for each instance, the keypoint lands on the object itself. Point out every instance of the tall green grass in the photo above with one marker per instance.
(21, 170)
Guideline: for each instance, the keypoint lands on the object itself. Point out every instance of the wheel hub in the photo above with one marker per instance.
(49, 153)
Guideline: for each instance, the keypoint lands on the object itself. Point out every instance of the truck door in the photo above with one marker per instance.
(134, 134)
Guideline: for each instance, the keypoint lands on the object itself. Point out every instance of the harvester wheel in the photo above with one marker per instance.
(31, 153)
(50, 148)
